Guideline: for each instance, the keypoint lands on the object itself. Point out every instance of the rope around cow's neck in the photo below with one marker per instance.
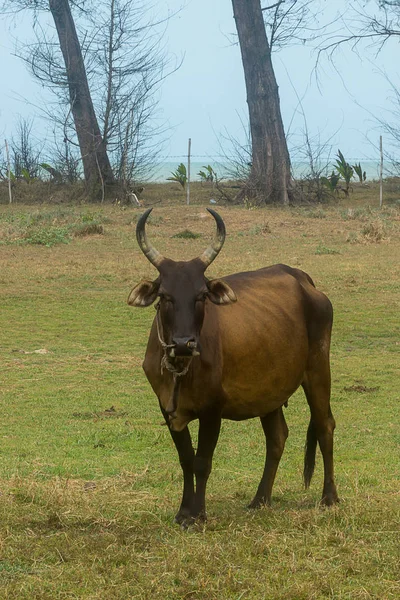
(166, 364)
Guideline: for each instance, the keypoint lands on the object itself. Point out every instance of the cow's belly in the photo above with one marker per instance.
(244, 403)
(264, 375)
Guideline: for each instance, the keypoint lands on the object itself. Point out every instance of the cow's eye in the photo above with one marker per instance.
(165, 298)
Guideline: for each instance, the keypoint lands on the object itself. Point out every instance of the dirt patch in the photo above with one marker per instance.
(361, 389)
(108, 413)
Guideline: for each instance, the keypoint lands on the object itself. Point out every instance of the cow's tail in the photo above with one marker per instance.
(309, 454)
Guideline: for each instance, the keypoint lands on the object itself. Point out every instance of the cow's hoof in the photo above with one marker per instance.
(258, 503)
(185, 519)
(330, 499)
(183, 516)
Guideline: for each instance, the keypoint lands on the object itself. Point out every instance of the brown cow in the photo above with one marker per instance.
(236, 348)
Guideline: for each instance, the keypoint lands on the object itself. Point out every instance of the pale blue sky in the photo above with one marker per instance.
(205, 99)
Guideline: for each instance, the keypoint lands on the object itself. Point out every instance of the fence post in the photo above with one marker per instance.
(188, 174)
(8, 173)
(381, 174)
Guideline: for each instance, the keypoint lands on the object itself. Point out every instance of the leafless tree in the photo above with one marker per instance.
(25, 152)
(313, 155)
(128, 70)
(95, 161)
(96, 164)
(65, 161)
(124, 64)
(260, 29)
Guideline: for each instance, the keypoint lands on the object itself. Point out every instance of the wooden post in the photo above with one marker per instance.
(9, 173)
(188, 174)
(381, 174)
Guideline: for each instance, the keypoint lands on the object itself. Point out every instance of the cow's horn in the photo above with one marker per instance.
(148, 250)
(214, 248)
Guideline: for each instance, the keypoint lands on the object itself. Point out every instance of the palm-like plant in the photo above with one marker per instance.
(345, 171)
(180, 175)
(209, 175)
(331, 181)
(362, 176)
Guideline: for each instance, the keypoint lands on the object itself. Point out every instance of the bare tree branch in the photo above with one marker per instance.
(374, 23)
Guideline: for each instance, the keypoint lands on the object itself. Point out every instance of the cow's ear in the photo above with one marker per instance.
(219, 292)
(144, 293)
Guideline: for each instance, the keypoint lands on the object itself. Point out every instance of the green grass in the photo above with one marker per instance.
(48, 227)
(89, 479)
(321, 249)
(186, 234)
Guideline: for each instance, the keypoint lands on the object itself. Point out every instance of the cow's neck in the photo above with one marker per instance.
(177, 366)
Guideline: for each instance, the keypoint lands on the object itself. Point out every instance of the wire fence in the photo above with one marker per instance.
(224, 165)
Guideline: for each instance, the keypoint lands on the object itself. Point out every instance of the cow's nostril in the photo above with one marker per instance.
(189, 342)
(184, 345)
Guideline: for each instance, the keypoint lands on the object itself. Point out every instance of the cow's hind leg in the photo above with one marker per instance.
(317, 386)
(276, 432)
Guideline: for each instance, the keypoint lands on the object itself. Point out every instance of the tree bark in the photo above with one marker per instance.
(270, 178)
(96, 164)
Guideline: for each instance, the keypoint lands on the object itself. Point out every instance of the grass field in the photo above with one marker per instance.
(90, 481)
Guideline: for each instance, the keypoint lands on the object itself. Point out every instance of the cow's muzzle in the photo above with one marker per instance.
(186, 346)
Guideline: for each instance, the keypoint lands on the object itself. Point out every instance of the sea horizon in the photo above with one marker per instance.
(300, 169)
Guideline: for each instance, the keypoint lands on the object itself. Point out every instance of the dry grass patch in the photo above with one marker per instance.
(373, 232)
(110, 539)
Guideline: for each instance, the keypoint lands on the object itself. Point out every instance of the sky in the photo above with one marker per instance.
(205, 99)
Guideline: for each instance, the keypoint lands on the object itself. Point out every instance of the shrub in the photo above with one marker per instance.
(48, 236)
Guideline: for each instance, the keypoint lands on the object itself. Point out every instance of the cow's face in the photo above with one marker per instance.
(182, 291)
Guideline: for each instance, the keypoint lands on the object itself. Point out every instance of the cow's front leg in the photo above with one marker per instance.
(209, 428)
(183, 444)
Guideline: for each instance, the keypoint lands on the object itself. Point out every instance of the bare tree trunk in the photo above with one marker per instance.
(270, 178)
(92, 147)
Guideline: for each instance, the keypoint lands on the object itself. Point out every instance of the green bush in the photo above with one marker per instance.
(48, 237)
(186, 234)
